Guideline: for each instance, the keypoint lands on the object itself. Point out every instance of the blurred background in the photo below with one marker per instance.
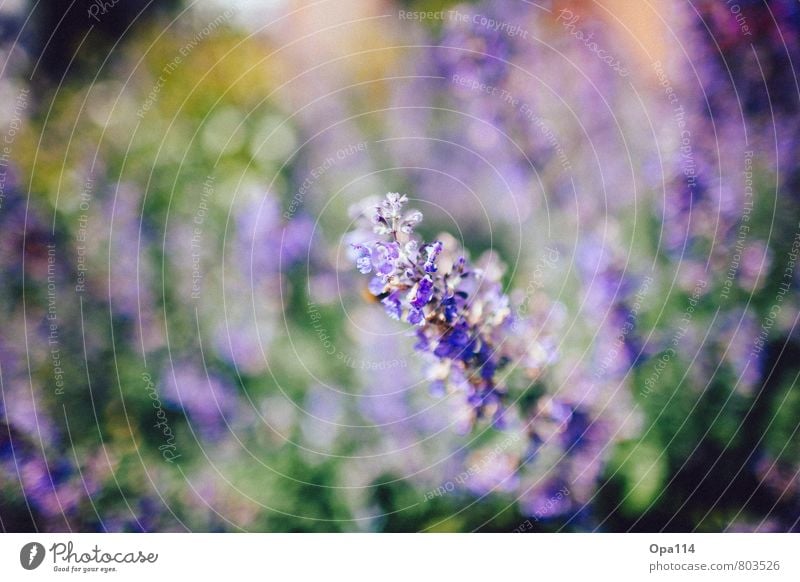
(185, 344)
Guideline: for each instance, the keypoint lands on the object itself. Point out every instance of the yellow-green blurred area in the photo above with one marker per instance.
(187, 345)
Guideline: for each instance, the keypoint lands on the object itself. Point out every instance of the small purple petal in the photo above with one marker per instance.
(422, 293)
(437, 388)
(450, 308)
(363, 259)
(433, 251)
(415, 316)
(454, 344)
(393, 305)
(488, 370)
(423, 344)
(376, 286)
(499, 421)
(386, 255)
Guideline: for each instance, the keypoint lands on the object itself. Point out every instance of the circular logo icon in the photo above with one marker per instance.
(31, 555)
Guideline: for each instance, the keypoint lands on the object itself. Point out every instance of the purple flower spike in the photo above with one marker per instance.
(463, 317)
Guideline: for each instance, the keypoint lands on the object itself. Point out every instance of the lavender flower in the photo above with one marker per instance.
(463, 318)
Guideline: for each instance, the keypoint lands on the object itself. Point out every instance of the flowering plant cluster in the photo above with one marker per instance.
(462, 317)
